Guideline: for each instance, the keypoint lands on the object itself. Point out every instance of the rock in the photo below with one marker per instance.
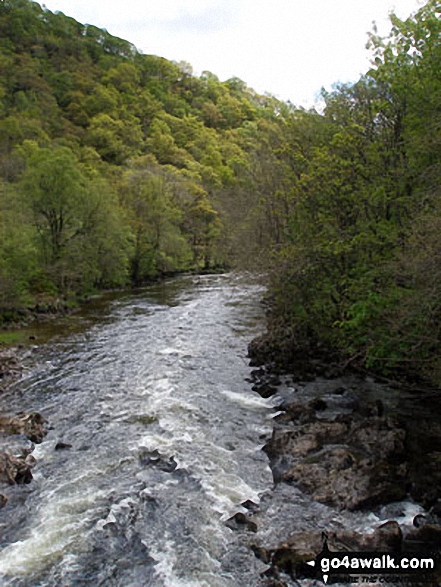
(339, 390)
(428, 535)
(343, 478)
(292, 562)
(419, 520)
(318, 404)
(350, 462)
(10, 364)
(16, 470)
(15, 444)
(274, 583)
(241, 520)
(261, 553)
(31, 424)
(300, 412)
(265, 390)
(386, 537)
(250, 505)
(62, 446)
(425, 475)
(291, 556)
(16, 432)
(3, 500)
(154, 459)
(249, 524)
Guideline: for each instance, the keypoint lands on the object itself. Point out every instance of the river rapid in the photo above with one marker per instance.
(151, 389)
(166, 439)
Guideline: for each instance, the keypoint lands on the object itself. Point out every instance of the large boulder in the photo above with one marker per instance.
(350, 462)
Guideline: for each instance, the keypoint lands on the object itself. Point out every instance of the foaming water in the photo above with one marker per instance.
(165, 435)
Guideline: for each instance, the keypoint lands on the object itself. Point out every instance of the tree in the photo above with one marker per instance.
(74, 215)
(159, 245)
(18, 252)
(55, 189)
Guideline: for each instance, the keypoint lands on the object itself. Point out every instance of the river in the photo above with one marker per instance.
(151, 390)
(166, 439)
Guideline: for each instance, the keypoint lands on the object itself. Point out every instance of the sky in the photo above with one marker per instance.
(287, 48)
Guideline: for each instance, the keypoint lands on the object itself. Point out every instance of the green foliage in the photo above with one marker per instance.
(113, 164)
(159, 245)
(18, 252)
(76, 219)
(357, 266)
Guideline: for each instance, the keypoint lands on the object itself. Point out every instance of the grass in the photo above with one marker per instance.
(12, 337)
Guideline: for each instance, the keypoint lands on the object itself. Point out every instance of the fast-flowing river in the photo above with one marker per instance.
(150, 391)
(166, 438)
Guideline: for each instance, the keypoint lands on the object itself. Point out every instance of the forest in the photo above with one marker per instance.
(118, 167)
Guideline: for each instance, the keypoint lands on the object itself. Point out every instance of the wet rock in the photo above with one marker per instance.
(155, 459)
(17, 436)
(16, 470)
(265, 383)
(388, 536)
(292, 555)
(436, 509)
(62, 446)
(3, 500)
(241, 520)
(250, 505)
(428, 535)
(265, 390)
(269, 582)
(339, 390)
(306, 439)
(291, 562)
(419, 520)
(425, 471)
(166, 465)
(30, 424)
(350, 462)
(298, 412)
(15, 444)
(261, 553)
(318, 404)
(10, 364)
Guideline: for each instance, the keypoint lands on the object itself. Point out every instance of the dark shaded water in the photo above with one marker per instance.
(150, 390)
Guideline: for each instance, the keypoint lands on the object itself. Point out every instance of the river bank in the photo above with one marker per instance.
(16, 321)
(21, 431)
(347, 443)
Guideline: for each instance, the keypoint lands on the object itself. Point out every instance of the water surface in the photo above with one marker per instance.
(149, 389)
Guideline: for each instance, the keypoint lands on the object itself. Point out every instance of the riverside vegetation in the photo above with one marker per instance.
(116, 167)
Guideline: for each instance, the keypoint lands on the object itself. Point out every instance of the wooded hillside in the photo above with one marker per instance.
(116, 167)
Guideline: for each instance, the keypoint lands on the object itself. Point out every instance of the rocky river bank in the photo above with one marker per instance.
(350, 445)
(18, 432)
